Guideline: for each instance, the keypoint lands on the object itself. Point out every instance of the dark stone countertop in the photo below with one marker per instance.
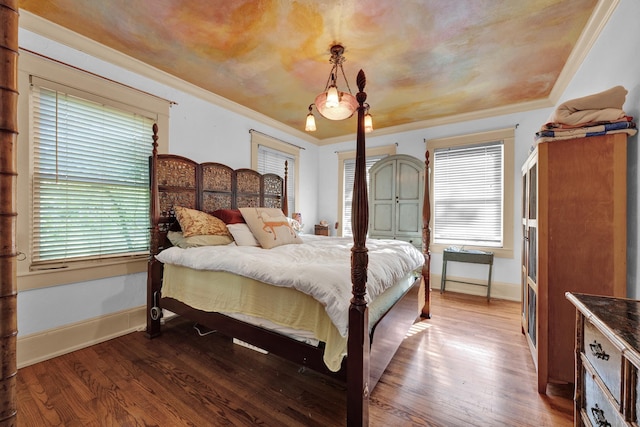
(620, 315)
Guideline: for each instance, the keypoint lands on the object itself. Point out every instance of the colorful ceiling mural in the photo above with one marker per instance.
(424, 59)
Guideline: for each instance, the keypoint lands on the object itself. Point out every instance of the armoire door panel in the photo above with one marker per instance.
(409, 218)
(383, 218)
(384, 188)
(409, 181)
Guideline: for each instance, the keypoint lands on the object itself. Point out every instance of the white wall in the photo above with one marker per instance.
(203, 131)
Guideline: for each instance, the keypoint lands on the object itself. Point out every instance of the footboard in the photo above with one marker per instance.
(387, 335)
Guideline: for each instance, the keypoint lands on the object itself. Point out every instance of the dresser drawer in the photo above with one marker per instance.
(605, 358)
(321, 230)
(415, 241)
(598, 408)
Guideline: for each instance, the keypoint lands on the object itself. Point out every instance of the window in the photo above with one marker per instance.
(273, 161)
(347, 161)
(467, 194)
(54, 247)
(91, 177)
(268, 155)
(472, 192)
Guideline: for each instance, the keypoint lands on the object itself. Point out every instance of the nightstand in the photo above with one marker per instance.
(321, 230)
(472, 256)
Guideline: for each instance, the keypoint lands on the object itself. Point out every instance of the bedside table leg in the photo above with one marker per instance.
(489, 283)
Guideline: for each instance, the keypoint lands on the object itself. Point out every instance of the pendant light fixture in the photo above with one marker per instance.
(333, 103)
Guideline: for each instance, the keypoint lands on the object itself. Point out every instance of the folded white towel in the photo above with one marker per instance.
(600, 107)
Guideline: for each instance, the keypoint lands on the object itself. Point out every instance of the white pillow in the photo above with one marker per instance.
(242, 235)
(177, 239)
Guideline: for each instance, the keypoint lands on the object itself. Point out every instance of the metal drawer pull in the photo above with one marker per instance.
(598, 414)
(597, 351)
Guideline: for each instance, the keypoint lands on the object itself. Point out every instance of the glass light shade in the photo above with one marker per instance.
(368, 123)
(345, 108)
(310, 126)
(333, 99)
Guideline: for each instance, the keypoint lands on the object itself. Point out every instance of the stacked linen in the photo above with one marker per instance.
(593, 115)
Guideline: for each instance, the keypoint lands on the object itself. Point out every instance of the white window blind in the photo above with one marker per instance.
(467, 193)
(349, 178)
(90, 178)
(272, 161)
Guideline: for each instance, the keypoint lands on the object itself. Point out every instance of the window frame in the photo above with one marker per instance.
(257, 139)
(94, 86)
(70, 113)
(385, 150)
(507, 136)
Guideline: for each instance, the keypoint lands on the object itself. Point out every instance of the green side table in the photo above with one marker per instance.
(472, 256)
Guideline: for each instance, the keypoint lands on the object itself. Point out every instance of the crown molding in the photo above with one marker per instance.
(441, 121)
(598, 20)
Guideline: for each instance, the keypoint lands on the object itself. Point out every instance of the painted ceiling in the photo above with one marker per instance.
(424, 59)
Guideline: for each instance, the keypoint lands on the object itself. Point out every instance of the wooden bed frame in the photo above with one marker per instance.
(176, 180)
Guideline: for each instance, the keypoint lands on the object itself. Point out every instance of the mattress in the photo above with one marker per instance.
(319, 267)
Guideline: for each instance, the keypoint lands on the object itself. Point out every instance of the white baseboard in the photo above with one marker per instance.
(506, 291)
(48, 344)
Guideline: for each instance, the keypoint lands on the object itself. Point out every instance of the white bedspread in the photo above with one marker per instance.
(320, 267)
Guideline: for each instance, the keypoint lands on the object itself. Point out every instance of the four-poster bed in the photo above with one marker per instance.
(209, 187)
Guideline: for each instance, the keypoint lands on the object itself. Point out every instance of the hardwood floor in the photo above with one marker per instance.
(467, 366)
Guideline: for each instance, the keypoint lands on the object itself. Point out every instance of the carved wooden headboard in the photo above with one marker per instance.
(179, 181)
(211, 186)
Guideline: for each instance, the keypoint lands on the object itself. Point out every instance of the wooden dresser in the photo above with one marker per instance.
(607, 361)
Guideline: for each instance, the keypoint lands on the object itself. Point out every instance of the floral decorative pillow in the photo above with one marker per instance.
(198, 223)
(270, 227)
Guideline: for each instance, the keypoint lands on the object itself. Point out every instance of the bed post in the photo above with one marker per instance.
(426, 239)
(154, 268)
(358, 340)
(285, 195)
(8, 215)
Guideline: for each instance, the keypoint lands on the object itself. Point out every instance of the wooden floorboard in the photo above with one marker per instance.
(468, 365)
